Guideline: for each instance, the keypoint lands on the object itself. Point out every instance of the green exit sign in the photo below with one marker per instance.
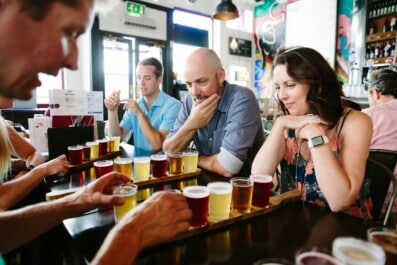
(135, 8)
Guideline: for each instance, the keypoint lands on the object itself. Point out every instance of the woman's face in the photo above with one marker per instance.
(291, 93)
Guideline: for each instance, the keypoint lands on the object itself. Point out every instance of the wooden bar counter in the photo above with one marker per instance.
(276, 232)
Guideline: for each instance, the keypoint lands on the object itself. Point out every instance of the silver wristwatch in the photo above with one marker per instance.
(317, 141)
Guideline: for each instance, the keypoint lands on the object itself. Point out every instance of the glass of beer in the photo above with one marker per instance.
(103, 167)
(102, 147)
(116, 143)
(94, 149)
(142, 172)
(141, 168)
(220, 200)
(130, 201)
(86, 153)
(176, 162)
(123, 165)
(110, 140)
(315, 255)
(75, 153)
(190, 160)
(355, 251)
(158, 163)
(242, 194)
(197, 198)
(262, 189)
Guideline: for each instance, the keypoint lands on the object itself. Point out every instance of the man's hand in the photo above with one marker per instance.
(202, 113)
(112, 101)
(133, 105)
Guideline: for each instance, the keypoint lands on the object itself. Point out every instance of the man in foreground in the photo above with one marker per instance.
(48, 43)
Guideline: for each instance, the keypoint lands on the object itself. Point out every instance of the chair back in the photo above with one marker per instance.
(387, 157)
(380, 178)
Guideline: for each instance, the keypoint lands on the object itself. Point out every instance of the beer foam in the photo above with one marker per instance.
(220, 187)
(158, 157)
(261, 178)
(141, 159)
(196, 192)
(356, 251)
(103, 163)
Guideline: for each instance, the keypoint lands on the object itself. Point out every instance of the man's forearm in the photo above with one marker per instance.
(22, 225)
(212, 164)
(114, 125)
(154, 137)
(179, 141)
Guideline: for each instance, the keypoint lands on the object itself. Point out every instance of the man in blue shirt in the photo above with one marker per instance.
(223, 120)
(150, 117)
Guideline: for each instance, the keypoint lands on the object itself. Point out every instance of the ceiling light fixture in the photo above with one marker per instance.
(225, 10)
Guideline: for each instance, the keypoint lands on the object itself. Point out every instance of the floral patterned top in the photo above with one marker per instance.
(296, 173)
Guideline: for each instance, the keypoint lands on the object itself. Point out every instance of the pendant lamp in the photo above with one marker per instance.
(225, 10)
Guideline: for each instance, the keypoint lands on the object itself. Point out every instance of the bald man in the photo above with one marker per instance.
(221, 119)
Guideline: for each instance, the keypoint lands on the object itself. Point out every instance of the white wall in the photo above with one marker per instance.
(316, 30)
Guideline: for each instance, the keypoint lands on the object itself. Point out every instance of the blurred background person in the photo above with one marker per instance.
(25, 155)
(150, 117)
(382, 96)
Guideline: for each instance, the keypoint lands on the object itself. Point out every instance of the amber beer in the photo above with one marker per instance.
(123, 165)
(94, 149)
(242, 194)
(86, 153)
(176, 162)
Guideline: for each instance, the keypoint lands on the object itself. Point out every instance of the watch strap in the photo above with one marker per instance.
(318, 140)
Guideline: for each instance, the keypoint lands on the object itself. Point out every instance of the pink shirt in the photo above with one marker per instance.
(384, 135)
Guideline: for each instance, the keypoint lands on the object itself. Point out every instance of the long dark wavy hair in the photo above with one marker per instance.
(307, 66)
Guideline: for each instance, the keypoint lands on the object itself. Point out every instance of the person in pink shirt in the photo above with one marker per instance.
(382, 95)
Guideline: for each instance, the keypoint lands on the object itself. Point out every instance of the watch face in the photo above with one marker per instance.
(318, 140)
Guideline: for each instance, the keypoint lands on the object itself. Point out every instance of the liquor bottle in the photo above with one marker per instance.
(372, 51)
(393, 49)
(377, 51)
(393, 23)
(370, 10)
(386, 25)
(386, 49)
(371, 27)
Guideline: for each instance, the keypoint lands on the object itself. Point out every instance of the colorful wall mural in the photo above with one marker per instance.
(269, 36)
(343, 39)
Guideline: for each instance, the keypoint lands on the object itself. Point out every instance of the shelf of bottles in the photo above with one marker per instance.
(381, 33)
(381, 8)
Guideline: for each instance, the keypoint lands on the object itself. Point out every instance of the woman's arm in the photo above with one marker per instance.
(23, 149)
(341, 179)
(272, 150)
(14, 190)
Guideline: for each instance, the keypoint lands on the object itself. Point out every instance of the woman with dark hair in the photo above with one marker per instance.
(321, 144)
